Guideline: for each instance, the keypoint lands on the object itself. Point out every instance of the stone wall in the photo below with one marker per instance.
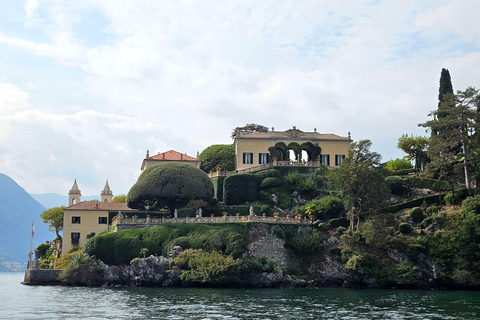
(42, 277)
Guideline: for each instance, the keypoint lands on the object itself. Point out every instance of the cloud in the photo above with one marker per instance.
(160, 76)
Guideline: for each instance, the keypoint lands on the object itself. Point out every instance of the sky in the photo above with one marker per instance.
(87, 87)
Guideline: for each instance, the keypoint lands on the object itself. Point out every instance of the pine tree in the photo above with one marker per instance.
(453, 123)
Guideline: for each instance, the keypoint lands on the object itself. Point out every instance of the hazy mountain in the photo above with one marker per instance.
(50, 200)
(17, 211)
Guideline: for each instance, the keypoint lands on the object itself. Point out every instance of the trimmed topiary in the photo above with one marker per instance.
(404, 228)
(416, 214)
(270, 183)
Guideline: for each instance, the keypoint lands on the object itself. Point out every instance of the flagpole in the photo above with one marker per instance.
(31, 247)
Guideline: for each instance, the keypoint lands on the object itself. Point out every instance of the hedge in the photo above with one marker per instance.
(437, 185)
(412, 203)
(240, 188)
(339, 222)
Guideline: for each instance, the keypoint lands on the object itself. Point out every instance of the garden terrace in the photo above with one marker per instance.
(293, 164)
(135, 222)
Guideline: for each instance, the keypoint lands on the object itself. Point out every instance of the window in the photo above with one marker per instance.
(102, 220)
(247, 157)
(325, 159)
(339, 159)
(75, 237)
(76, 220)
(263, 158)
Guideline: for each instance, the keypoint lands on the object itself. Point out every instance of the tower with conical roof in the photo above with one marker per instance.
(74, 195)
(106, 195)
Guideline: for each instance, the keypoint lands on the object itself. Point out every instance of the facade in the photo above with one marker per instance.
(257, 148)
(81, 220)
(169, 156)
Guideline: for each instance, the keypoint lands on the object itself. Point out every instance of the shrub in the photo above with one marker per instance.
(42, 250)
(240, 188)
(471, 205)
(404, 228)
(305, 242)
(270, 183)
(398, 164)
(307, 187)
(82, 270)
(270, 173)
(207, 267)
(426, 222)
(396, 184)
(364, 265)
(433, 209)
(341, 229)
(335, 223)
(292, 178)
(416, 214)
(455, 198)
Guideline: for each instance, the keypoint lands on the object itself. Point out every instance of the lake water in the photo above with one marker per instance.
(42, 302)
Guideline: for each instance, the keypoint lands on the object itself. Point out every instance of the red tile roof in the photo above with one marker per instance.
(172, 155)
(101, 206)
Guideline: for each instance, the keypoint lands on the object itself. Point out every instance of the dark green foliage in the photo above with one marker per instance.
(42, 250)
(258, 264)
(218, 188)
(341, 229)
(218, 156)
(240, 188)
(361, 180)
(305, 242)
(397, 185)
(326, 207)
(199, 266)
(404, 273)
(471, 205)
(335, 223)
(363, 265)
(270, 183)
(433, 184)
(82, 270)
(248, 128)
(170, 185)
(121, 247)
(269, 173)
(410, 204)
(404, 228)
(292, 178)
(307, 188)
(416, 214)
(456, 197)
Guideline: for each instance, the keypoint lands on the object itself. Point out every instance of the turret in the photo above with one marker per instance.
(106, 195)
(74, 195)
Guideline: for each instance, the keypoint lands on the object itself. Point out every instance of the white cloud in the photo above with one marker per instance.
(180, 75)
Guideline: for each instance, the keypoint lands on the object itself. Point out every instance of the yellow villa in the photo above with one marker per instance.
(82, 220)
(291, 147)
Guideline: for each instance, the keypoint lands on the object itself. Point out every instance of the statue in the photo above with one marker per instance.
(200, 212)
(175, 213)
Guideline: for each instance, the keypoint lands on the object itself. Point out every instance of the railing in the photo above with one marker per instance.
(224, 219)
(310, 164)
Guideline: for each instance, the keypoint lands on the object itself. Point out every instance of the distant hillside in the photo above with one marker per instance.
(50, 200)
(17, 211)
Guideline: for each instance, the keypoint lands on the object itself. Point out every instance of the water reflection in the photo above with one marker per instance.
(24, 302)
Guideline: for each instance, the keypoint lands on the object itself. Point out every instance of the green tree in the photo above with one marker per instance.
(394, 165)
(218, 155)
(415, 147)
(120, 198)
(170, 185)
(453, 123)
(361, 180)
(248, 128)
(54, 217)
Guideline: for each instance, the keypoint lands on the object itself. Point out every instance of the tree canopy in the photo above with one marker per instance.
(248, 128)
(54, 217)
(415, 147)
(218, 155)
(360, 179)
(120, 198)
(170, 185)
(453, 124)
